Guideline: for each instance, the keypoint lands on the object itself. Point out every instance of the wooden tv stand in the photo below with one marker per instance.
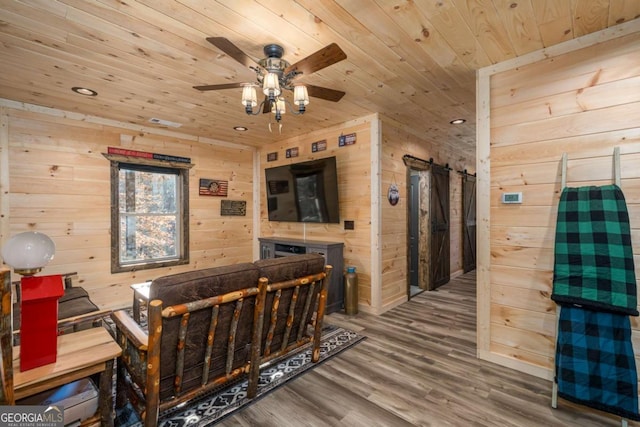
(273, 247)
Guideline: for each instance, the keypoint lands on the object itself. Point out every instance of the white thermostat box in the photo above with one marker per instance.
(512, 197)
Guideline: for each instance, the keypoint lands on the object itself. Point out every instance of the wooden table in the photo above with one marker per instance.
(80, 355)
(140, 296)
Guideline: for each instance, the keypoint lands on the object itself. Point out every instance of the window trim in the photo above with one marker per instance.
(182, 170)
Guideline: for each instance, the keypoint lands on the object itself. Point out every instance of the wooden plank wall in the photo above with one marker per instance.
(354, 188)
(59, 184)
(584, 102)
(397, 141)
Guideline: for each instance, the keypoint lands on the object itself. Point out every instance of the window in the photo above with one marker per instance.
(149, 220)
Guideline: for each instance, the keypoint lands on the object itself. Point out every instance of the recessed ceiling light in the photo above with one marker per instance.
(84, 91)
(457, 121)
(241, 128)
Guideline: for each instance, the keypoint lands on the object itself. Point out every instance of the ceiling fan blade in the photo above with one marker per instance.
(232, 50)
(324, 93)
(218, 87)
(317, 61)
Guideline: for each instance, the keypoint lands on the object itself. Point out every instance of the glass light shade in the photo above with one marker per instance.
(249, 97)
(300, 95)
(270, 85)
(28, 252)
(279, 107)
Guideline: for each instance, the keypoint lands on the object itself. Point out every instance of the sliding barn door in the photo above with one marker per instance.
(469, 222)
(440, 241)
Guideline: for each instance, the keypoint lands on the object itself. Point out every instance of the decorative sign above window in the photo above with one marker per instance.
(146, 155)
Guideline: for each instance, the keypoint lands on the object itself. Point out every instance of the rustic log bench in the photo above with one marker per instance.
(209, 327)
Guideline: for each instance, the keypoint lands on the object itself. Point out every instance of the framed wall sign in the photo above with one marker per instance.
(213, 187)
(233, 208)
(348, 139)
(318, 146)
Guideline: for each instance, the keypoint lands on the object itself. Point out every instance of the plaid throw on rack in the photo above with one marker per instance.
(593, 254)
(594, 361)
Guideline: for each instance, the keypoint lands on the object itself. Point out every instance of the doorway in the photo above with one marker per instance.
(440, 232)
(428, 225)
(469, 222)
(419, 270)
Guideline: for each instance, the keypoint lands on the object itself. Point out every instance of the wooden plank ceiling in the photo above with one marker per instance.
(413, 61)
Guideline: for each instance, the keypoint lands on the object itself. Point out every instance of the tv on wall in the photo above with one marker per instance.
(303, 192)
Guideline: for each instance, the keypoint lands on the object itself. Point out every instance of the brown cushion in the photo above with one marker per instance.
(74, 302)
(73, 293)
(194, 285)
(75, 307)
(290, 267)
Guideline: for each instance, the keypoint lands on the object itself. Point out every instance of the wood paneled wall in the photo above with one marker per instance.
(58, 183)
(397, 141)
(583, 99)
(354, 165)
(381, 285)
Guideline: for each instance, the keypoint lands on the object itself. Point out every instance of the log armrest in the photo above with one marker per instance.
(130, 329)
(134, 342)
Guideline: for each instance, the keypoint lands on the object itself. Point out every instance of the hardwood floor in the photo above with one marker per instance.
(417, 367)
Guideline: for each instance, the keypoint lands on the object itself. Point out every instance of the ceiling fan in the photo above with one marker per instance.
(274, 74)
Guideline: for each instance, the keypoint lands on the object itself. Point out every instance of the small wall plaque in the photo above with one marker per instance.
(213, 187)
(348, 139)
(233, 208)
(318, 146)
(272, 157)
(292, 152)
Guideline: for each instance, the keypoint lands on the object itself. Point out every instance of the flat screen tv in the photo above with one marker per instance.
(303, 192)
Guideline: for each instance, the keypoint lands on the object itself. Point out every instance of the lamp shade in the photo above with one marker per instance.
(300, 95)
(270, 85)
(28, 252)
(279, 107)
(249, 96)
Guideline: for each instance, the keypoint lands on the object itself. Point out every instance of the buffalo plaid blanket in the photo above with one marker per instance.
(594, 361)
(593, 264)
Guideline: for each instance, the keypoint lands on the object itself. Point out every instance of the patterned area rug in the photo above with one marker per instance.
(212, 408)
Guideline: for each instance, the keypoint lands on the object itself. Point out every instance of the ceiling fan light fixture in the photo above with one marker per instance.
(300, 97)
(275, 75)
(278, 107)
(249, 98)
(271, 85)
